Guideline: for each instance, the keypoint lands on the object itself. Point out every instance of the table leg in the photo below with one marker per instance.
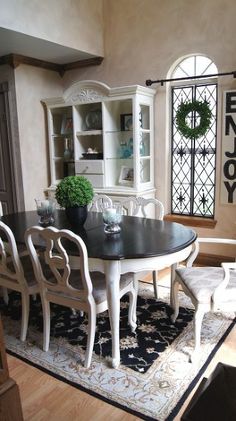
(112, 272)
(172, 278)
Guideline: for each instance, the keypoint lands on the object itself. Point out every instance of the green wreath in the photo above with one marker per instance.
(202, 108)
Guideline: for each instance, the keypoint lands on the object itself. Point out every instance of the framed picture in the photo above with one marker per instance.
(66, 125)
(126, 122)
(126, 176)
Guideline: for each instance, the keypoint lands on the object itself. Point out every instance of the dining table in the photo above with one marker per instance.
(142, 244)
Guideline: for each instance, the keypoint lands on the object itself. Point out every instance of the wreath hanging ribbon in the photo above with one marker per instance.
(205, 114)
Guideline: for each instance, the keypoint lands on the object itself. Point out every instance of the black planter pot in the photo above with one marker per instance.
(77, 215)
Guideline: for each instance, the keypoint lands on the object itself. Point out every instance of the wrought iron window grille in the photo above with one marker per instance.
(193, 160)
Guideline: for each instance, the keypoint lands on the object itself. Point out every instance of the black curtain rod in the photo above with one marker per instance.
(149, 82)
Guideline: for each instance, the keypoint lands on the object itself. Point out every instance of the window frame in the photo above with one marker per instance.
(193, 82)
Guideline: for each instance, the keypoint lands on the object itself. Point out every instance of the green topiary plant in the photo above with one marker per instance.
(74, 191)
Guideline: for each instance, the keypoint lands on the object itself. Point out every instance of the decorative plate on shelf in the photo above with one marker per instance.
(93, 120)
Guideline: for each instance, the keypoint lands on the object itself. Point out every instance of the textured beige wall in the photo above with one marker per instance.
(32, 85)
(143, 39)
(74, 23)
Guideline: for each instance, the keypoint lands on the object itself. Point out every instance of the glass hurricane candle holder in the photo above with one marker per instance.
(45, 210)
(112, 219)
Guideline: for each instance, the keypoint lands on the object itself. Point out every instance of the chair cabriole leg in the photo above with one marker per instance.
(25, 315)
(198, 317)
(175, 300)
(91, 336)
(46, 324)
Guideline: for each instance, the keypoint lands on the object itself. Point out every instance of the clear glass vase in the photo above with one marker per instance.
(112, 219)
(45, 210)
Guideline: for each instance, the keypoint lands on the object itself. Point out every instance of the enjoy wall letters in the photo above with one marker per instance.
(228, 158)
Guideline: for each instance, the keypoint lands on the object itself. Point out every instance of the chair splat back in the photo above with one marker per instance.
(100, 203)
(10, 264)
(138, 206)
(128, 206)
(58, 279)
(143, 204)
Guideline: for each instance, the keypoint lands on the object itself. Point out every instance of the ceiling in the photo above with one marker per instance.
(12, 42)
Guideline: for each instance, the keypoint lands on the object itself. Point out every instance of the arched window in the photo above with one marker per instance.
(193, 157)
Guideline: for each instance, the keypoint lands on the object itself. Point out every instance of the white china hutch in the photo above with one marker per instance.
(105, 134)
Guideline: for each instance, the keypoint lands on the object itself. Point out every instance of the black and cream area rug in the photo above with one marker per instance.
(155, 375)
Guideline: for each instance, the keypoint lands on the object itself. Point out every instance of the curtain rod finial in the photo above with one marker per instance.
(148, 82)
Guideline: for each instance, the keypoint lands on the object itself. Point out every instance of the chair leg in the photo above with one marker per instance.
(155, 283)
(46, 324)
(91, 336)
(25, 315)
(198, 317)
(175, 301)
(132, 318)
(5, 295)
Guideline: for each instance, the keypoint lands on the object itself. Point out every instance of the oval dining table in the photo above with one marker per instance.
(142, 244)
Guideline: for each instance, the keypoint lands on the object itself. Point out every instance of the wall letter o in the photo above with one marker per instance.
(227, 169)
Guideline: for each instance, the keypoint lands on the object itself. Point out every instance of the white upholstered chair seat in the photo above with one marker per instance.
(202, 282)
(28, 271)
(98, 282)
(209, 288)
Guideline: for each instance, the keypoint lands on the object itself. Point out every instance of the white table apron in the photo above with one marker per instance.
(113, 269)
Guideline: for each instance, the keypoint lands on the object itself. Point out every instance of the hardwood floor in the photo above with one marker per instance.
(46, 399)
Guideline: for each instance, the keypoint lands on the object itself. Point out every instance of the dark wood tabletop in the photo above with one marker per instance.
(139, 237)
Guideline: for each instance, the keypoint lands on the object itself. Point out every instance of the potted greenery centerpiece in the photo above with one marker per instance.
(74, 193)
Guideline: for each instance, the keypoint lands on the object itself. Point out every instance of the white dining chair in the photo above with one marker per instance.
(209, 288)
(138, 206)
(100, 202)
(128, 206)
(16, 273)
(72, 287)
(22, 252)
